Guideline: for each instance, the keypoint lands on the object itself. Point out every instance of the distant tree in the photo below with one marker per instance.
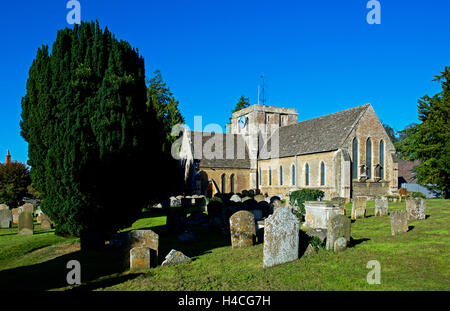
(93, 141)
(14, 180)
(429, 141)
(166, 106)
(242, 103)
(391, 133)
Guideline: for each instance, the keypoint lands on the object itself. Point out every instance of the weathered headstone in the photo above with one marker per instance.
(381, 206)
(235, 198)
(317, 213)
(242, 229)
(28, 207)
(175, 257)
(258, 198)
(6, 219)
(341, 203)
(359, 208)
(174, 201)
(16, 212)
(340, 245)
(338, 226)
(46, 223)
(26, 223)
(281, 238)
(399, 222)
(3, 207)
(140, 258)
(416, 208)
(145, 238)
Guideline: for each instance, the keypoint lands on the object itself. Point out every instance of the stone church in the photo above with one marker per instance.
(344, 154)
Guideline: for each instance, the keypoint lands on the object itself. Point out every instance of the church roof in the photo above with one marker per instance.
(234, 152)
(325, 133)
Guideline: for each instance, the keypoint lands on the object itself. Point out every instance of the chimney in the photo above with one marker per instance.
(8, 158)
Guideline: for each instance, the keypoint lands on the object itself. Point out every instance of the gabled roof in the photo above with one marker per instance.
(325, 133)
(234, 144)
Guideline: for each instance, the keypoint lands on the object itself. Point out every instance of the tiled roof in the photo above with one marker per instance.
(316, 135)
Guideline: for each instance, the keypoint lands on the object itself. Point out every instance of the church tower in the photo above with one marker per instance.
(256, 123)
(8, 158)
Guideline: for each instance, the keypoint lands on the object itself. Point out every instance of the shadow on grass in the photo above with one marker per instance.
(410, 228)
(427, 216)
(105, 282)
(354, 242)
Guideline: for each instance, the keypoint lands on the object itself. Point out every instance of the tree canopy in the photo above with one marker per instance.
(242, 103)
(429, 141)
(14, 180)
(92, 138)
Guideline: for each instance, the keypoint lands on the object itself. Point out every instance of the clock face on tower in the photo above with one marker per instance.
(242, 122)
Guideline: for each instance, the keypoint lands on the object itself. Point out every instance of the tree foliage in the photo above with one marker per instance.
(391, 133)
(14, 180)
(92, 138)
(166, 106)
(429, 141)
(242, 103)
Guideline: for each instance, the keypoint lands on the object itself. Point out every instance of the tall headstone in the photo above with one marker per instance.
(399, 222)
(28, 207)
(381, 206)
(6, 219)
(416, 208)
(26, 223)
(3, 206)
(242, 229)
(140, 258)
(281, 237)
(359, 208)
(338, 226)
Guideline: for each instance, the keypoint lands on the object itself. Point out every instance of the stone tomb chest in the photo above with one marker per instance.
(317, 213)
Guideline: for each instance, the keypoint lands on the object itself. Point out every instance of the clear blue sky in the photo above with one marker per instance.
(318, 56)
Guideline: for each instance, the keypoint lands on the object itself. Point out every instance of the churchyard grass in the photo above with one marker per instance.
(415, 260)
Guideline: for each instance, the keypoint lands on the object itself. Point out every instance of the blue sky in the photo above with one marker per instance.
(317, 56)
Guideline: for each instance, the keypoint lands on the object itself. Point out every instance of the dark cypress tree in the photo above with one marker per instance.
(93, 140)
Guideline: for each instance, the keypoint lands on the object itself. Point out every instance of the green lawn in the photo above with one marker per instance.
(416, 260)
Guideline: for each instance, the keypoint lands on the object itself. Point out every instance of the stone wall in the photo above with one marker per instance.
(241, 178)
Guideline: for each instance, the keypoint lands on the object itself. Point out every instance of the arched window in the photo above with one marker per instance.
(293, 175)
(307, 174)
(382, 159)
(260, 176)
(322, 174)
(355, 159)
(270, 176)
(224, 180)
(369, 158)
(232, 183)
(281, 175)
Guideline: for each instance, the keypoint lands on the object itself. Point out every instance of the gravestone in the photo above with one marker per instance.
(16, 212)
(281, 238)
(381, 206)
(235, 198)
(340, 245)
(174, 201)
(145, 238)
(46, 223)
(242, 229)
(415, 208)
(140, 258)
(359, 208)
(3, 207)
(399, 222)
(175, 257)
(26, 223)
(341, 203)
(6, 219)
(317, 213)
(317, 232)
(258, 198)
(176, 219)
(338, 226)
(28, 207)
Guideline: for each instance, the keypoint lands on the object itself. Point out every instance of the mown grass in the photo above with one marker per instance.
(416, 260)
